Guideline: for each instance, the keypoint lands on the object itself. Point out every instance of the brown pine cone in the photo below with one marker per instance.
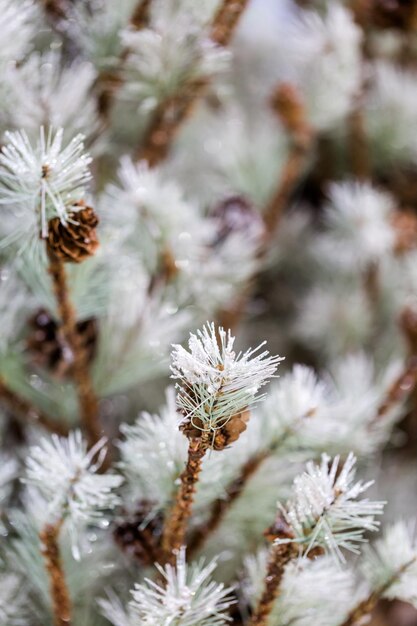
(223, 436)
(139, 534)
(47, 348)
(236, 214)
(76, 241)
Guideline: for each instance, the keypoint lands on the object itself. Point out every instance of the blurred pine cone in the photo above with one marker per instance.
(76, 241)
(47, 348)
(139, 534)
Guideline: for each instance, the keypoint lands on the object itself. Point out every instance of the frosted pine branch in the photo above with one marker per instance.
(40, 182)
(186, 596)
(216, 382)
(65, 473)
(325, 511)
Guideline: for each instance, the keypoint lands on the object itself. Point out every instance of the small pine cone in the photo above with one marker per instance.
(76, 241)
(231, 431)
(140, 533)
(223, 436)
(46, 347)
(236, 214)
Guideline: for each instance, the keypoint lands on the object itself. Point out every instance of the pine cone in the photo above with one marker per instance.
(139, 534)
(236, 214)
(223, 436)
(47, 348)
(76, 241)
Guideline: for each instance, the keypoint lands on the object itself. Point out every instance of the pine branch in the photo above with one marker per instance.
(167, 120)
(140, 16)
(279, 557)
(360, 161)
(365, 608)
(221, 506)
(88, 401)
(289, 108)
(400, 388)
(61, 602)
(21, 408)
(173, 112)
(226, 20)
(109, 83)
(173, 537)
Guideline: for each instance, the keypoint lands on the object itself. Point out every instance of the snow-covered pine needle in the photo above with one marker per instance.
(390, 565)
(215, 382)
(325, 511)
(65, 473)
(186, 598)
(39, 182)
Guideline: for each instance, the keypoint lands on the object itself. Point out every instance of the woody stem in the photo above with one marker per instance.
(279, 557)
(176, 525)
(172, 112)
(61, 602)
(221, 506)
(88, 402)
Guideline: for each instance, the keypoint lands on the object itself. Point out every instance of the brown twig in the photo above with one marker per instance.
(279, 557)
(140, 15)
(88, 402)
(171, 114)
(166, 121)
(176, 523)
(400, 388)
(226, 20)
(22, 408)
(358, 145)
(222, 505)
(61, 602)
(289, 108)
(367, 605)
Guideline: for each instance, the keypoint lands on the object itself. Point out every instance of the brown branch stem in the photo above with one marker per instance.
(221, 506)
(21, 408)
(88, 402)
(176, 523)
(358, 146)
(167, 120)
(400, 388)
(61, 603)
(291, 173)
(367, 605)
(279, 557)
(226, 20)
(140, 15)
